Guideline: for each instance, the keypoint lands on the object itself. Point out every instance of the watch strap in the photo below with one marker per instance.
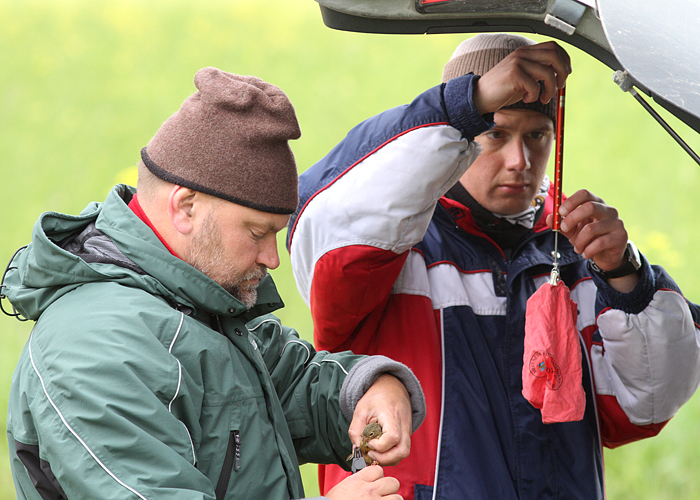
(630, 266)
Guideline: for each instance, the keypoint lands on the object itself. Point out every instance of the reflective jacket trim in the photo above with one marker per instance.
(330, 361)
(442, 406)
(72, 431)
(308, 352)
(179, 384)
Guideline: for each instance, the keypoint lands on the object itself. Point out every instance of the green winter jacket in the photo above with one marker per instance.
(144, 379)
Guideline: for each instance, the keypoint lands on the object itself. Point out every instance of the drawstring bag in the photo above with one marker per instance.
(552, 371)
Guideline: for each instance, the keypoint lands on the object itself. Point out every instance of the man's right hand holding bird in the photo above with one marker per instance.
(387, 403)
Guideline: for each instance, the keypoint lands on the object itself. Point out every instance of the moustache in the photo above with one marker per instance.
(256, 274)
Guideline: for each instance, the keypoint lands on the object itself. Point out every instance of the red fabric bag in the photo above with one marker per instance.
(552, 371)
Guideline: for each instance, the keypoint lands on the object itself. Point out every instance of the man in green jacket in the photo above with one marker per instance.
(155, 369)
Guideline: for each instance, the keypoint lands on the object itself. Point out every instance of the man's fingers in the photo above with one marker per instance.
(387, 485)
(359, 420)
(583, 207)
(549, 63)
(392, 457)
(370, 474)
(355, 434)
(518, 76)
(390, 448)
(593, 228)
(603, 240)
(388, 440)
(367, 484)
(587, 213)
(550, 54)
(607, 245)
(382, 485)
(578, 198)
(598, 236)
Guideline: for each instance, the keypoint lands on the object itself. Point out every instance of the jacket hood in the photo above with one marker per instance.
(108, 242)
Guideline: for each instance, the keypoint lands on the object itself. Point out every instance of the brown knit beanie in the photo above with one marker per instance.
(481, 53)
(229, 140)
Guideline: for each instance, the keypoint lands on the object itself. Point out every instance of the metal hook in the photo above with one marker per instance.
(554, 275)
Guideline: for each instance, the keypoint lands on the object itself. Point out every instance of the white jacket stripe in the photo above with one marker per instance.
(376, 208)
(72, 431)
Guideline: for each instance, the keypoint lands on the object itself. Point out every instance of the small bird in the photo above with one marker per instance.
(370, 432)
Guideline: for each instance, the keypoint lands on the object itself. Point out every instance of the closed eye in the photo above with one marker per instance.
(256, 235)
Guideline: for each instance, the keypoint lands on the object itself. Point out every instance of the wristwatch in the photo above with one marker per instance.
(631, 265)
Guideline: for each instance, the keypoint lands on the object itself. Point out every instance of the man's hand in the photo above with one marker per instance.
(388, 403)
(597, 233)
(518, 75)
(369, 483)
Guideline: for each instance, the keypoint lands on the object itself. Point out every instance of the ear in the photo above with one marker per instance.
(182, 209)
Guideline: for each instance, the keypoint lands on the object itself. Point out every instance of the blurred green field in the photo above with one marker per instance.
(84, 85)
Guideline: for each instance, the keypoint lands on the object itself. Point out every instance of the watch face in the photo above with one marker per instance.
(633, 254)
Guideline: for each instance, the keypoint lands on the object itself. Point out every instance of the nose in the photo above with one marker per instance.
(268, 255)
(517, 155)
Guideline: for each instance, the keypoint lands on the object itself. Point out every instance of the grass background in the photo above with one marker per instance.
(84, 85)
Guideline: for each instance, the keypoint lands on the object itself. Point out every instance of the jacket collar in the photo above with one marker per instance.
(466, 216)
(108, 242)
(197, 290)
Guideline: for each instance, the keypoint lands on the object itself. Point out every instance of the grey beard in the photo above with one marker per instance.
(249, 294)
(206, 254)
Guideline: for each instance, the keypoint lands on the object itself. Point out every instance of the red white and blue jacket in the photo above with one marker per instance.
(390, 266)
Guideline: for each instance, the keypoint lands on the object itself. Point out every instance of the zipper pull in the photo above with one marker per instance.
(237, 454)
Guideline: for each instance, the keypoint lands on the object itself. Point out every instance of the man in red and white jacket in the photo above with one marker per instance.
(422, 235)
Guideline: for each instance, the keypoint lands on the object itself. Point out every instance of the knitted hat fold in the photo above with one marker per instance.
(481, 53)
(230, 140)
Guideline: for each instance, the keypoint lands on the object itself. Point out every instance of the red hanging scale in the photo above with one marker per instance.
(552, 371)
(558, 166)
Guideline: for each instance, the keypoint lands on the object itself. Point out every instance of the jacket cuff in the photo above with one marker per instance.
(461, 112)
(367, 371)
(633, 302)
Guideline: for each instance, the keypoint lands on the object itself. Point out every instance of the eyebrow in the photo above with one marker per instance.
(267, 226)
(505, 127)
